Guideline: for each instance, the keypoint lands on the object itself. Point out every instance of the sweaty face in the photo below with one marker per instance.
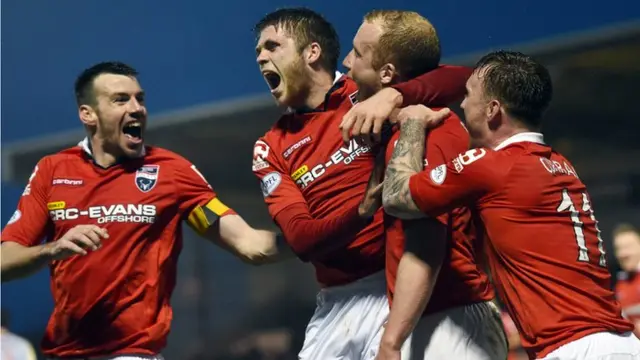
(119, 116)
(360, 58)
(475, 106)
(627, 250)
(282, 67)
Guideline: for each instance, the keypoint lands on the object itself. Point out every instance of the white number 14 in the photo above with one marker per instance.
(567, 205)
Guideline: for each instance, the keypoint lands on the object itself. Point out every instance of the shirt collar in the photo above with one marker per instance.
(86, 147)
(533, 137)
(338, 76)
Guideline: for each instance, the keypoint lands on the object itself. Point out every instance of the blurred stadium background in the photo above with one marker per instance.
(209, 103)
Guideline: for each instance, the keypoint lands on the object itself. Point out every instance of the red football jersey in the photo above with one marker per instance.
(461, 280)
(303, 161)
(628, 294)
(543, 244)
(114, 300)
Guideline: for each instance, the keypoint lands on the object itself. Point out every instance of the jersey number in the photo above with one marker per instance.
(578, 226)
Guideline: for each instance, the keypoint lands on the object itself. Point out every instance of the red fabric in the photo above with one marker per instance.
(523, 193)
(461, 280)
(114, 300)
(314, 237)
(440, 87)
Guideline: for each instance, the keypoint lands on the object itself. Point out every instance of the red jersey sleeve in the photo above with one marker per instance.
(278, 189)
(444, 187)
(306, 235)
(439, 87)
(197, 202)
(447, 141)
(29, 223)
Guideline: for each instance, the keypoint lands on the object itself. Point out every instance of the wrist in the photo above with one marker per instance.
(45, 253)
(393, 96)
(412, 121)
(392, 342)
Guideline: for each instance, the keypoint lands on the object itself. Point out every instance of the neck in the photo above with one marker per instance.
(508, 129)
(101, 155)
(322, 82)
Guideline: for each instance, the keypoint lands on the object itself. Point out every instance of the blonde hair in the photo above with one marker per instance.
(408, 41)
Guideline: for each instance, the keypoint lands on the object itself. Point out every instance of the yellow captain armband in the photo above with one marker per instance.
(202, 217)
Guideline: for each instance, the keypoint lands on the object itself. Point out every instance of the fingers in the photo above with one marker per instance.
(70, 247)
(87, 236)
(377, 190)
(347, 124)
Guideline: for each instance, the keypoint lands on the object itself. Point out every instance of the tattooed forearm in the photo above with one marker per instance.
(407, 159)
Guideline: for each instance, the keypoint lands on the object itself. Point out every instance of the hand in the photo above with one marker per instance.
(364, 121)
(386, 352)
(427, 117)
(372, 200)
(75, 242)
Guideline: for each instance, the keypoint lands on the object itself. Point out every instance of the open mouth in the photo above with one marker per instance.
(273, 79)
(133, 131)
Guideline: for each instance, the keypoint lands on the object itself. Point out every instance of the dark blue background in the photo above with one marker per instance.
(190, 52)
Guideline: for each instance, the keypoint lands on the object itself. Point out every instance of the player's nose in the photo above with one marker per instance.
(262, 58)
(347, 61)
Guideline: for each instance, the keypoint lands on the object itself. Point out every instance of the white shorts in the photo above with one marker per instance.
(348, 321)
(599, 346)
(471, 332)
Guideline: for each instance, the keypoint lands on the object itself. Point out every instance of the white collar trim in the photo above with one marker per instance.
(84, 144)
(338, 76)
(533, 137)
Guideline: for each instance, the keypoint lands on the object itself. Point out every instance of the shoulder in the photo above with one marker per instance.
(161, 156)
(50, 162)
(452, 131)
(483, 162)
(453, 125)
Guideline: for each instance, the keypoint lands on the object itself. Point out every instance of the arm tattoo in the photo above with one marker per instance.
(407, 160)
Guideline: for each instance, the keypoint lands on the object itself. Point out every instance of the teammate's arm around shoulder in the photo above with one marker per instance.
(21, 252)
(407, 160)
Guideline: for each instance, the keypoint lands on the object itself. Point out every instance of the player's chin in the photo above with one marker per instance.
(281, 98)
(131, 147)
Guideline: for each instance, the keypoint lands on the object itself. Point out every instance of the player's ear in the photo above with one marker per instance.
(312, 53)
(87, 115)
(387, 74)
(494, 108)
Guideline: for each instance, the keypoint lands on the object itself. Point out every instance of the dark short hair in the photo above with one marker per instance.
(519, 82)
(305, 26)
(84, 82)
(624, 228)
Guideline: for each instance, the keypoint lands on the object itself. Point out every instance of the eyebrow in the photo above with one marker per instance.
(267, 43)
(355, 48)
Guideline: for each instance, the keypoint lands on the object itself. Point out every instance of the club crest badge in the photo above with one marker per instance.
(147, 177)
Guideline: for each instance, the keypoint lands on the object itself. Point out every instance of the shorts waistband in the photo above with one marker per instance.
(372, 283)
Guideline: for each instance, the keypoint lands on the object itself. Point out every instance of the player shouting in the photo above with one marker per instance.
(459, 322)
(111, 211)
(314, 185)
(544, 246)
